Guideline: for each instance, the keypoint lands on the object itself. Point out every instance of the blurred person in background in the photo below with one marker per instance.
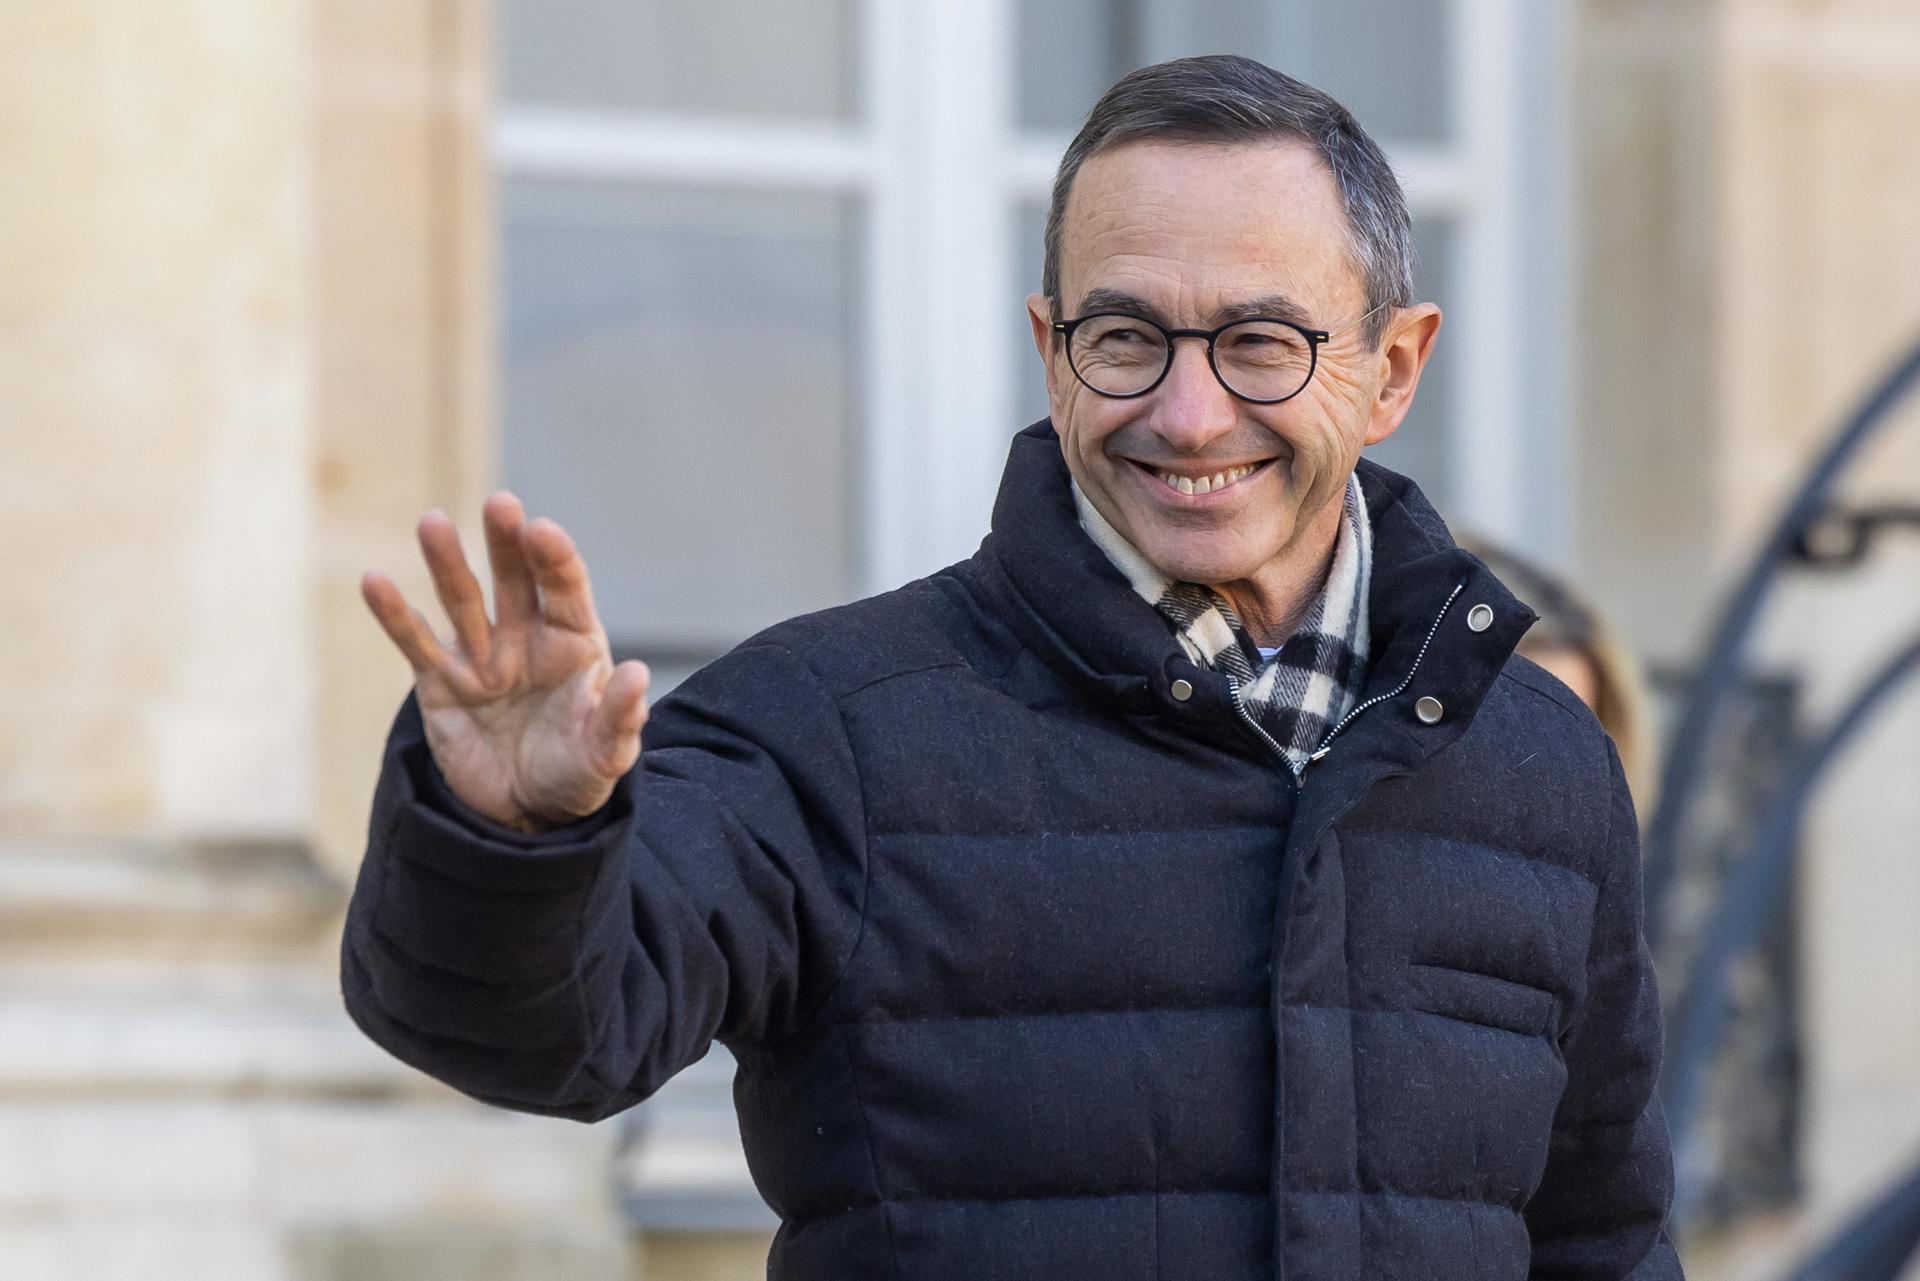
(1185, 885)
(1574, 642)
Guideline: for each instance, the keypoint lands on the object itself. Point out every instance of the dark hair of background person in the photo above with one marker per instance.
(1225, 98)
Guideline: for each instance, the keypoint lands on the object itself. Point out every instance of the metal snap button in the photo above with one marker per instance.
(1479, 618)
(1181, 691)
(1428, 709)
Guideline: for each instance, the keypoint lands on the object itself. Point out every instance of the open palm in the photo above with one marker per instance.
(527, 716)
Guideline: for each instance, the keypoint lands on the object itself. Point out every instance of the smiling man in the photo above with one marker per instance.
(1192, 883)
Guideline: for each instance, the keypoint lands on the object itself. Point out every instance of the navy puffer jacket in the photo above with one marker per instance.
(1035, 971)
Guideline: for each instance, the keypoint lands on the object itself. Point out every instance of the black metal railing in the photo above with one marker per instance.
(1876, 1245)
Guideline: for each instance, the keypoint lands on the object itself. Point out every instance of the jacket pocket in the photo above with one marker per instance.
(1486, 999)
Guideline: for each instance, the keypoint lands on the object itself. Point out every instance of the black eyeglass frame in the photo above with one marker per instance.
(1314, 338)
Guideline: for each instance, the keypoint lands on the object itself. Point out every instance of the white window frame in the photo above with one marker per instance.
(937, 169)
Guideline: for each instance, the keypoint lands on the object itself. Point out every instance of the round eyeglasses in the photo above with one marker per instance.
(1261, 360)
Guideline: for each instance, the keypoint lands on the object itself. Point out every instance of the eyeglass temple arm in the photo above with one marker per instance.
(1356, 321)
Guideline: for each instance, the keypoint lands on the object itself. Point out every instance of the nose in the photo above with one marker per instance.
(1193, 409)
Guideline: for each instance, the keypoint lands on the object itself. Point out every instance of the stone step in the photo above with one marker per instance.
(165, 1044)
(183, 898)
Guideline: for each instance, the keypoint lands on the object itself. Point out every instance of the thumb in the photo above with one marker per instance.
(622, 710)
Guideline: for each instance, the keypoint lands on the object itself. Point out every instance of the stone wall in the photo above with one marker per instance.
(244, 343)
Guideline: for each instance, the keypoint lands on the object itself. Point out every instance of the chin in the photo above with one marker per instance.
(1203, 559)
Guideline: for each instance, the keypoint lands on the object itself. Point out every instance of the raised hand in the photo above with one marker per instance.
(527, 716)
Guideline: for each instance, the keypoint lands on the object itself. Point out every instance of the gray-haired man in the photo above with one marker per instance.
(1190, 884)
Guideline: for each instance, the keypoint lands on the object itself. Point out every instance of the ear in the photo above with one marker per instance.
(1404, 349)
(1041, 319)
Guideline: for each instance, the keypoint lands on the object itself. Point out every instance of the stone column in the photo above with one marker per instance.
(244, 342)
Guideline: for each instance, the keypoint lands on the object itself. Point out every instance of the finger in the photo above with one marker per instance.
(622, 711)
(454, 583)
(566, 597)
(515, 599)
(404, 625)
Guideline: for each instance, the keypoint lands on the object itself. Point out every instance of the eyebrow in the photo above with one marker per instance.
(1268, 306)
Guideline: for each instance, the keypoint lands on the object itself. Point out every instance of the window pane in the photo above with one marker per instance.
(1029, 377)
(681, 1165)
(1388, 61)
(1068, 52)
(731, 57)
(1426, 441)
(679, 394)
(1376, 56)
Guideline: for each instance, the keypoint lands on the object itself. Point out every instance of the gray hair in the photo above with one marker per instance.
(1226, 98)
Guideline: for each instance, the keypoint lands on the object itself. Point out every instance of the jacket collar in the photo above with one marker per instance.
(1069, 603)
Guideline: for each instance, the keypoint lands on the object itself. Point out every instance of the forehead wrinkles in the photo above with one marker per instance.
(1214, 218)
(1189, 278)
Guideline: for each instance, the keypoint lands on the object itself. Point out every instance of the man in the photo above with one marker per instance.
(1190, 884)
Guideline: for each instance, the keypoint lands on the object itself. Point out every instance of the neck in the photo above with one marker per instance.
(1273, 600)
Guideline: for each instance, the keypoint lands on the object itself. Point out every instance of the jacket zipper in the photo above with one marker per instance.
(1239, 703)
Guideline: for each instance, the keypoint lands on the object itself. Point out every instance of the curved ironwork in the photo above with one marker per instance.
(1880, 1241)
(1843, 536)
(1876, 1244)
(1755, 892)
(1685, 764)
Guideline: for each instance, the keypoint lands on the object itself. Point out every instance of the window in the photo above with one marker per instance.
(679, 380)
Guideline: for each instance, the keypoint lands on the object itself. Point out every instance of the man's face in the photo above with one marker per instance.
(1189, 230)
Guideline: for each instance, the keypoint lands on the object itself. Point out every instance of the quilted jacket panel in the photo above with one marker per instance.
(1034, 970)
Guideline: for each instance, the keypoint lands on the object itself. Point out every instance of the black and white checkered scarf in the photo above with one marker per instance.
(1314, 678)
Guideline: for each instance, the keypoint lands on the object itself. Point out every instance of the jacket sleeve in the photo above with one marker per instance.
(1600, 1211)
(717, 895)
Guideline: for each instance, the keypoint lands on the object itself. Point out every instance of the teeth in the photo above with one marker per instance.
(1206, 484)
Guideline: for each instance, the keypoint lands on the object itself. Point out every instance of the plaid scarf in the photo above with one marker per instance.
(1314, 678)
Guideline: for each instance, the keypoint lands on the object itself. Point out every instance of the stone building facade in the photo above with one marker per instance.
(247, 256)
